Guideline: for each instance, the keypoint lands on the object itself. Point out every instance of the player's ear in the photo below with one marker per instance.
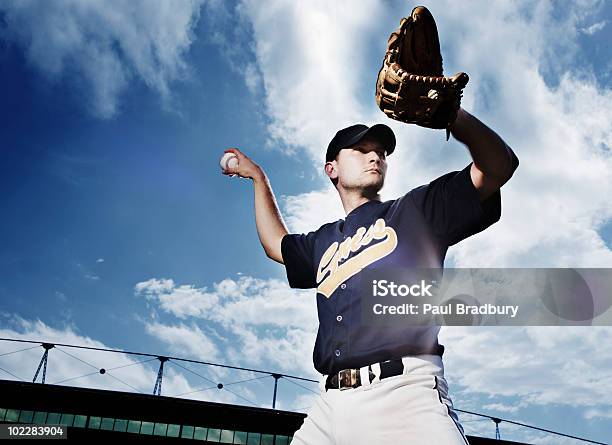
(331, 169)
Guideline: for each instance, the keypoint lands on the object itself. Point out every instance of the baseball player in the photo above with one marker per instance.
(381, 386)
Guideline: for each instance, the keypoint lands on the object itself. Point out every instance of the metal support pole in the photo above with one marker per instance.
(497, 422)
(43, 362)
(160, 375)
(276, 377)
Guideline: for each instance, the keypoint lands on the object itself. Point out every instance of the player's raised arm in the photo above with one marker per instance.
(270, 226)
(494, 161)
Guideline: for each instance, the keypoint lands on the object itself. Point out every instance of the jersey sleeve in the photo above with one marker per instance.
(451, 206)
(298, 256)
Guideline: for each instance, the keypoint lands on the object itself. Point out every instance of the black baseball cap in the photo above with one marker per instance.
(351, 135)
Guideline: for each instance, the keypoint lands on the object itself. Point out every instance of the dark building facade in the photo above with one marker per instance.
(92, 414)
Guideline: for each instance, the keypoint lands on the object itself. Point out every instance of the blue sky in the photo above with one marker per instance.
(118, 229)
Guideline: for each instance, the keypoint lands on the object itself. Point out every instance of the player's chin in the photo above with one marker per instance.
(375, 184)
(378, 180)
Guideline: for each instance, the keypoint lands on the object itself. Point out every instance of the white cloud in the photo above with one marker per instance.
(289, 350)
(298, 209)
(252, 78)
(310, 67)
(517, 372)
(501, 407)
(153, 287)
(590, 30)
(235, 302)
(181, 301)
(304, 402)
(598, 413)
(189, 341)
(537, 365)
(107, 43)
(256, 322)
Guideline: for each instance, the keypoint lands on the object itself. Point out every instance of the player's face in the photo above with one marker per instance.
(362, 166)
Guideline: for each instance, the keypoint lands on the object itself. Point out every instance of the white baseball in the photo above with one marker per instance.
(228, 160)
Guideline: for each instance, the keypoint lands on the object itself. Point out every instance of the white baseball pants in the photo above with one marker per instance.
(413, 408)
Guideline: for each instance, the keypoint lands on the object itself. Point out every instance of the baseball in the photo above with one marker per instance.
(228, 160)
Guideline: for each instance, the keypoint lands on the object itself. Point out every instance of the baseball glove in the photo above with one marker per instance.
(411, 86)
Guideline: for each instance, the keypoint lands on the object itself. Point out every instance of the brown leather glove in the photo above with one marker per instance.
(411, 87)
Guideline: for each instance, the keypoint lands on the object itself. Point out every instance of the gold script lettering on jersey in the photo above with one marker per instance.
(330, 273)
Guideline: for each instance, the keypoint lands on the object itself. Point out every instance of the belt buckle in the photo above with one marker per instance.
(348, 378)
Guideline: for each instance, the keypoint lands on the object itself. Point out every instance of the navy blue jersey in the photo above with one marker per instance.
(413, 231)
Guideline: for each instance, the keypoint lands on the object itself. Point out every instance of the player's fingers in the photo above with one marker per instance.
(231, 174)
(241, 155)
(235, 151)
(229, 171)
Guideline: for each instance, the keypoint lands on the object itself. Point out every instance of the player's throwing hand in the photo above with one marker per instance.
(245, 167)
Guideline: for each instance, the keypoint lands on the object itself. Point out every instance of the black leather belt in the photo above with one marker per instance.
(351, 378)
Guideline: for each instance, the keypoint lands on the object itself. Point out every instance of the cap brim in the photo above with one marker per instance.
(380, 132)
